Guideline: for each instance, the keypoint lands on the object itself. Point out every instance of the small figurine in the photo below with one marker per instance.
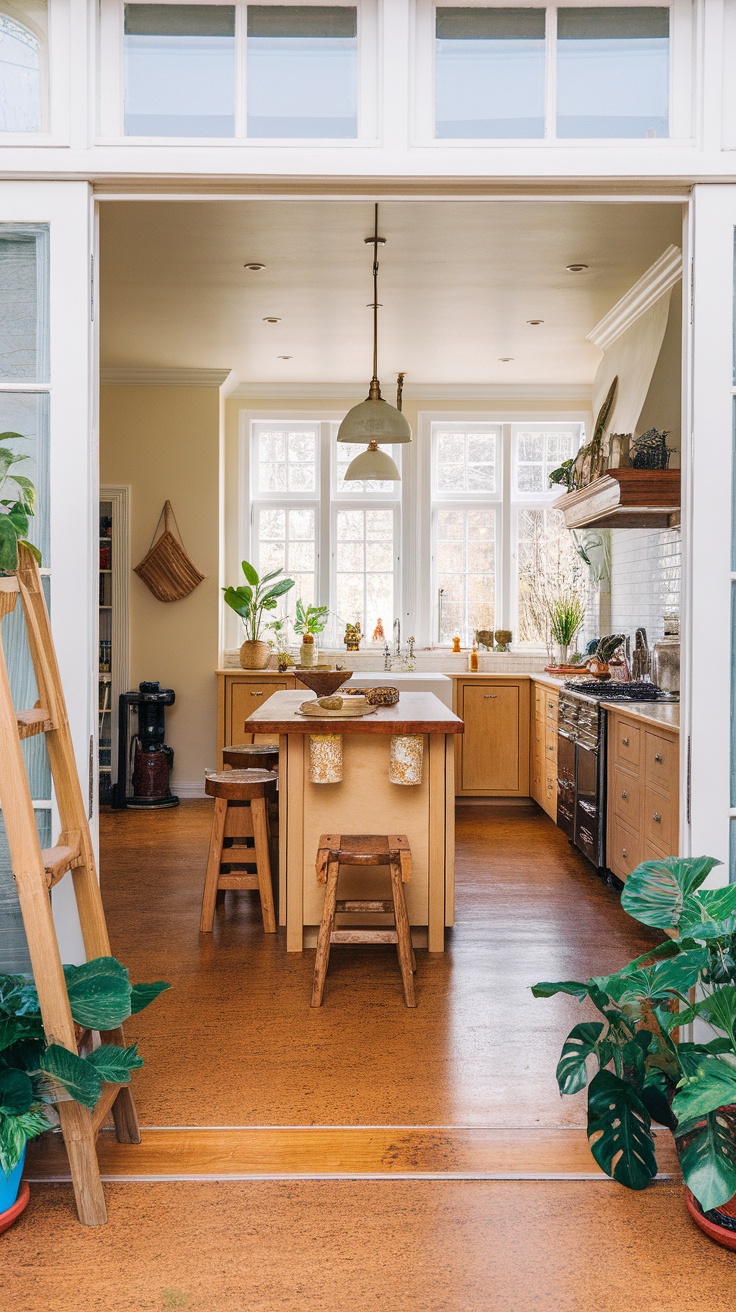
(353, 635)
(456, 644)
(378, 633)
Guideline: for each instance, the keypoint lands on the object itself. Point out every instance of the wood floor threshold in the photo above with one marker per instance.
(328, 1152)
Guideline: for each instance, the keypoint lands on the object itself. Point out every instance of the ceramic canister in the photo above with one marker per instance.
(405, 763)
(325, 758)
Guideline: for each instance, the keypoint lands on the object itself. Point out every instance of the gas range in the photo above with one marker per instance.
(612, 691)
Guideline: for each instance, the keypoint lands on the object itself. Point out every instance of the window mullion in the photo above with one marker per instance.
(503, 568)
(325, 542)
(550, 94)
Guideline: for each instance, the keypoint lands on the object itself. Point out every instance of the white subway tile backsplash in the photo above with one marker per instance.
(646, 571)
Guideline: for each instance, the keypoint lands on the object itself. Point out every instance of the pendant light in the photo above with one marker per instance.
(374, 420)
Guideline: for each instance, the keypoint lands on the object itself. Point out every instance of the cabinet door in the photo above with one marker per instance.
(245, 696)
(491, 742)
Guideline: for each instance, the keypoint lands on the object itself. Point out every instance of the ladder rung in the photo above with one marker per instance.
(364, 936)
(383, 905)
(57, 860)
(33, 722)
(101, 1109)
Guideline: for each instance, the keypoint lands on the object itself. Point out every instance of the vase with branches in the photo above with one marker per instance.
(566, 617)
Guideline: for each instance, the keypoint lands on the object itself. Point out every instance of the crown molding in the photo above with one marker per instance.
(577, 393)
(659, 279)
(143, 376)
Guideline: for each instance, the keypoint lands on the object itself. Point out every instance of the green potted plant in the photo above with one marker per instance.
(309, 621)
(566, 612)
(644, 1070)
(251, 601)
(16, 510)
(35, 1074)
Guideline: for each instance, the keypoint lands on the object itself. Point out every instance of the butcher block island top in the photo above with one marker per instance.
(415, 712)
(358, 795)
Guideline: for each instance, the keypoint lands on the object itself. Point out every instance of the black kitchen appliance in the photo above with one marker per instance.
(144, 760)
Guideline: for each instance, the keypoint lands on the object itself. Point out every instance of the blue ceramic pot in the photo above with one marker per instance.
(10, 1184)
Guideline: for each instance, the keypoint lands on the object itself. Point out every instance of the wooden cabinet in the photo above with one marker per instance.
(239, 693)
(643, 793)
(543, 751)
(493, 760)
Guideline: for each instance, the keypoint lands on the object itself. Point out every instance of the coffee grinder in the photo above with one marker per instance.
(144, 760)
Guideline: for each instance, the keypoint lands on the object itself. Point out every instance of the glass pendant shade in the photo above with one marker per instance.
(373, 464)
(374, 420)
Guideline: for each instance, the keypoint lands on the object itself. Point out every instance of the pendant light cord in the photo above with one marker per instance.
(375, 388)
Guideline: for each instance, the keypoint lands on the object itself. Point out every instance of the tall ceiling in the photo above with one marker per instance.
(458, 282)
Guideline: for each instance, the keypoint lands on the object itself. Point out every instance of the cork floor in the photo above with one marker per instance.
(327, 1246)
(235, 1043)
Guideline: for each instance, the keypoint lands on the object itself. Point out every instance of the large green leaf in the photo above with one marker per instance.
(548, 990)
(655, 1094)
(671, 947)
(709, 914)
(8, 544)
(278, 590)
(18, 517)
(654, 893)
(719, 1008)
(707, 1153)
(141, 995)
(619, 1131)
(250, 573)
(99, 993)
(74, 1073)
(16, 1092)
(239, 600)
(572, 1072)
(114, 1064)
(711, 1085)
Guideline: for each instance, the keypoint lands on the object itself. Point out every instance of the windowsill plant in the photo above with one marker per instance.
(251, 601)
(644, 1071)
(35, 1074)
(309, 622)
(566, 611)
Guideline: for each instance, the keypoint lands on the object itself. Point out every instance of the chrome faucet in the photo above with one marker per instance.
(397, 637)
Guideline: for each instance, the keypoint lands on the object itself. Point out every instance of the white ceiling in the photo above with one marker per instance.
(458, 282)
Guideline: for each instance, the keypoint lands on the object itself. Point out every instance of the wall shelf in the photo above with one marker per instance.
(625, 498)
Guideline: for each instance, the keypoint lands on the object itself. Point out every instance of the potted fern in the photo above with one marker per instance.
(566, 614)
(251, 601)
(645, 1070)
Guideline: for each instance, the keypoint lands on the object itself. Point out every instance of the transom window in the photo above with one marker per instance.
(525, 72)
(21, 58)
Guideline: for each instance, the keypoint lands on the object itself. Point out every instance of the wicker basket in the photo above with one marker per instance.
(167, 570)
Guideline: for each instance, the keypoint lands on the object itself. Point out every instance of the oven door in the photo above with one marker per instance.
(588, 802)
(566, 783)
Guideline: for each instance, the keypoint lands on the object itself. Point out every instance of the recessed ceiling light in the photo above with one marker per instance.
(271, 318)
(254, 267)
(576, 268)
(284, 357)
(506, 359)
(535, 321)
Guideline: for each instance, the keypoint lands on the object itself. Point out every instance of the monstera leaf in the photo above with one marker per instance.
(655, 892)
(619, 1131)
(572, 1072)
(707, 1151)
(711, 1085)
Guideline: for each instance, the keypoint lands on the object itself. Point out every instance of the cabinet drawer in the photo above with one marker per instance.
(660, 821)
(661, 761)
(550, 746)
(626, 796)
(550, 788)
(623, 850)
(245, 698)
(551, 707)
(626, 743)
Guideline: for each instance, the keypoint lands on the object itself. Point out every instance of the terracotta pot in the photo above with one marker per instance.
(255, 654)
(720, 1224)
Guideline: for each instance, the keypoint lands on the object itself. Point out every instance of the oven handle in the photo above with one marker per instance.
(562, 733)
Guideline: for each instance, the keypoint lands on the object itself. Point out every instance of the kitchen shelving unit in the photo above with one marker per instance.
(113, 629)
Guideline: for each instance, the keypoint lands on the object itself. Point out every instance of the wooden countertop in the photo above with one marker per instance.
(416, 712)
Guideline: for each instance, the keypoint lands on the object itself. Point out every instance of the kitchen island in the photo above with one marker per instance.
(365, 801)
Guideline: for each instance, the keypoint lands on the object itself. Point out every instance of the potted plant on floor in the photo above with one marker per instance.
(566, 613)
(251, 602)
(35, 1074)
(309, 622)
(644, 1072)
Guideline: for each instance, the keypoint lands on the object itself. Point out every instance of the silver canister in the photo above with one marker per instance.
(666, 656)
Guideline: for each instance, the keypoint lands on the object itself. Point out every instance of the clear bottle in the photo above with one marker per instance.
(473, 659)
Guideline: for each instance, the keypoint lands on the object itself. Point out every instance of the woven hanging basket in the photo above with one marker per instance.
(167, 570)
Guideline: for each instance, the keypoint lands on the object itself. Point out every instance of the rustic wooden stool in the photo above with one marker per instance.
(241, 813)
(248, 756)
(364, 850)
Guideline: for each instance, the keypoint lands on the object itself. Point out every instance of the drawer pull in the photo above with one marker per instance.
(625, 742)
(624, 793)
(490, 696)
(624, 853)
(657, 818)
(256, 694)
(658, 757)
(550, 706)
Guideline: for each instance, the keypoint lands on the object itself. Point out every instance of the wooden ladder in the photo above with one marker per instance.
(37, 871)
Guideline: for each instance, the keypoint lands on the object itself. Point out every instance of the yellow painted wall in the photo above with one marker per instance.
(163, 442)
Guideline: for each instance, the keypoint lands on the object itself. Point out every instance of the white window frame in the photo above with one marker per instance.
(56, 65)
(111, 82)
(367, 503)
(681, 76)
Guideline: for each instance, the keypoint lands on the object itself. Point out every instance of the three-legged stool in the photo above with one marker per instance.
(241, 814)
(364, 850)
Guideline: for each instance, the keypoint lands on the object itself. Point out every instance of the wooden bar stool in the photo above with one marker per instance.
(241, 813)
(364, 850)
(249, 756)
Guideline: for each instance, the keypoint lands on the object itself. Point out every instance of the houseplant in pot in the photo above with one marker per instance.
(644, 1071)
(16, 510)
(251, 601)
(566, 611)
(35, 1074)
(309, 622)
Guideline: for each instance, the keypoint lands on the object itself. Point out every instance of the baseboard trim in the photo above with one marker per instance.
(188, 788)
